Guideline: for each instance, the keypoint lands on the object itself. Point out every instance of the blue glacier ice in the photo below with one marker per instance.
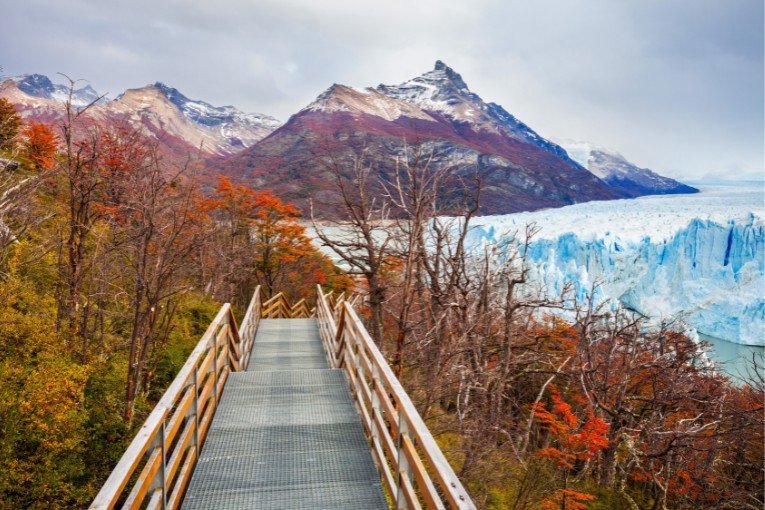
(697, 259)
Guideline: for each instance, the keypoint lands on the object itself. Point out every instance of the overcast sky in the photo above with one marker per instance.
(675, 85)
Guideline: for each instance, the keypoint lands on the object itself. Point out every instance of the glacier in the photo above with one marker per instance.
(697, 260)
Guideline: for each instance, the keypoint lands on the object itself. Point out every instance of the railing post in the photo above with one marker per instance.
(403, 463)
(354, 350)
(337, 308)
(339, 340)
(195, 409)
(215, 369)
(159, 481)
(233, 336)
(376, 409)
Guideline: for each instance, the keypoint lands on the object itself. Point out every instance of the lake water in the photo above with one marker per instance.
(732, 358)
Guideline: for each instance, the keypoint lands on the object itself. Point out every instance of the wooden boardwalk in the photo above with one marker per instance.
(294, 407)
(286, 433)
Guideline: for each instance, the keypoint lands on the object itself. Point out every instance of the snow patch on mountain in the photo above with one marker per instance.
(698, 259)
(212, 116)
(228, 129)
(439, 90)
(351, 100)
(580, 152)
(442, 91)
(38, 85)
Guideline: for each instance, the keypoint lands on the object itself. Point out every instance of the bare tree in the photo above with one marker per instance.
(414, 194)
(361, 237)
(80, 175)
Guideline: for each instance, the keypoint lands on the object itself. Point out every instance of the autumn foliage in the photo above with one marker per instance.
(263, 243)
(39, 145)
(572, 442)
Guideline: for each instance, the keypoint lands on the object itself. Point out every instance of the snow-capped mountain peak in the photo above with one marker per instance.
(440, 90)
(225, 129)
(443, 92)
(38, 85)
(212, 116)
(441, 80)
(171, 93)
(439, 95)
(330, 100)
(442, 69)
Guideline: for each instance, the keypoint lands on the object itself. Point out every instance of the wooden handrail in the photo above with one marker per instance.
(412, 465)
(279, 307)
(169, 441)
(249, 327)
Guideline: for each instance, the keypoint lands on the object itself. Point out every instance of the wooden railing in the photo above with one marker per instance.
(413, 468)
(278, 307)
(155, 469)
(169, 441)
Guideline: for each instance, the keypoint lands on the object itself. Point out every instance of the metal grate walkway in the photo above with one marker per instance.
(286, 434)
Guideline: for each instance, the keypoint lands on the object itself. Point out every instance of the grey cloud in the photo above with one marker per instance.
(675, 85)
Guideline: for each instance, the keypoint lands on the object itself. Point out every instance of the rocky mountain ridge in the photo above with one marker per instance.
(519, 169)
(185, 125)
(620, 174)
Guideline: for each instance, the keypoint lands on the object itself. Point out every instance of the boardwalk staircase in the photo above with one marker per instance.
(294, 408)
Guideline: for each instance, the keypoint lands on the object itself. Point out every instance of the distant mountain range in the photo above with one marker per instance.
(183, 124)
(620, 174)
(519, 169)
